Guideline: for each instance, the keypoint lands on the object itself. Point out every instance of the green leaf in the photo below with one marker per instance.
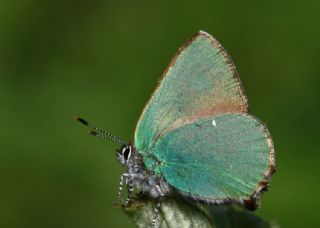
(181, 213)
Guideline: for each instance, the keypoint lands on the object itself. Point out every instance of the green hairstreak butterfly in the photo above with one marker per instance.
(195, 136)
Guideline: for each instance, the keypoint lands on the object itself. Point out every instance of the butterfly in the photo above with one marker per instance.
(195, 136)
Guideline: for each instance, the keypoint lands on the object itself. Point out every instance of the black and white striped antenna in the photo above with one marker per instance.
(97, 132)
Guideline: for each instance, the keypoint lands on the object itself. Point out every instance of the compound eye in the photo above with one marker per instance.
(126, 152)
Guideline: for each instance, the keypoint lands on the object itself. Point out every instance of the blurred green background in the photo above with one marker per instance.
(102, 60)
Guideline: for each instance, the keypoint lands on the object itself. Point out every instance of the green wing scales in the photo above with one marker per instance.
(227, 156)
(200, 81)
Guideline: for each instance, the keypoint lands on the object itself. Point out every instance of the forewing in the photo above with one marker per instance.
(228, 156)
(200, 81)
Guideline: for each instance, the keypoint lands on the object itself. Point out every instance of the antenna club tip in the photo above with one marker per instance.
(93, 133)
(81, 120)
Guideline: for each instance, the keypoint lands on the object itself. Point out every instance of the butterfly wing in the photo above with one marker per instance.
(200, 81)
(228, 156)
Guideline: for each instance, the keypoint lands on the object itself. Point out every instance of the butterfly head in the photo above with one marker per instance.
(124, 153)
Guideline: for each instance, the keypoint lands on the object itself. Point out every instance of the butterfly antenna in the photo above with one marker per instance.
(97, 132)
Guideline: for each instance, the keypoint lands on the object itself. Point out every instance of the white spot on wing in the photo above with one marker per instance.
(214, 123)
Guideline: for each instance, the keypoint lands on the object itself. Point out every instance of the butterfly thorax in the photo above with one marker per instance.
(138, 176)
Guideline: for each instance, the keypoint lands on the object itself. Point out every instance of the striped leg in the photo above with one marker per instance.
(157, 208)
(130, 190)
(156, 212)
(120, 188)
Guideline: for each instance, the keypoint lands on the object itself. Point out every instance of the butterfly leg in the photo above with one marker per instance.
(130, 190)
(157, 208)
(127, 177)
(156, 212)
(120, 188)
